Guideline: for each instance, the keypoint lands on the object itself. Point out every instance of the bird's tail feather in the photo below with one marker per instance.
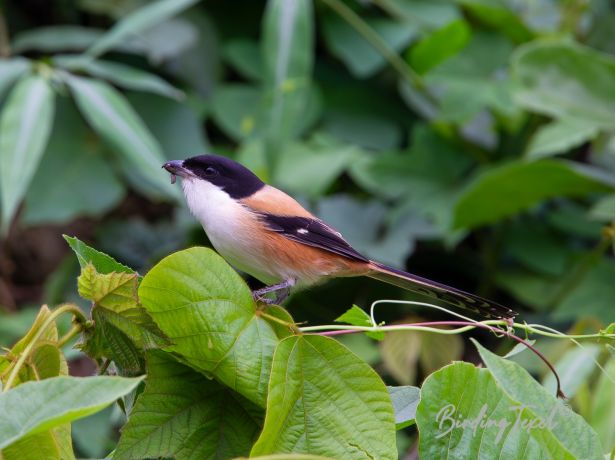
(450, 295)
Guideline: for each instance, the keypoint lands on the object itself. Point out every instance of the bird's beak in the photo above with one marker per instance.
(176, 168)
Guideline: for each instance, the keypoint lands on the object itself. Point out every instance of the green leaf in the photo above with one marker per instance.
(560, 136)
(324, 400)
(400, 352)
(542, 69)
(121, 75)
(361, 58)
(518, 348)
(464, 413)
(370, 228)
(208, 312)
(475, 79)
(310, 168)
(405, 401)
(604, 209)
(571, 430)
(138, 21)
(25, 124)
(10, 71)
(110, 115)
(75, 159)
(114, 290)
(50, 445)
(237, 109)
(509, 189)
(123, 329)
(287, 48)
(439, 46)
(57, 38)
(36, 407)
(165, 118)
(102, 262)
(182, 414)
(356, 316)
(602, 416)
(595, 293)
(574, 369)
(495, 13)
(245, 57)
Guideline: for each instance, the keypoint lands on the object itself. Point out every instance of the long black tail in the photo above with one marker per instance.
(451, 295)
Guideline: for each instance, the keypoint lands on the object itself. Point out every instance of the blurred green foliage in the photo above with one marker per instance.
(470, 141)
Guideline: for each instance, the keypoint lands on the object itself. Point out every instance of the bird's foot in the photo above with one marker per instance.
(282, 291)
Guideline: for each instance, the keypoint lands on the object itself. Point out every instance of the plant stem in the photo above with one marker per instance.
(466, 326)
(76, 329)
(52, 317)
(378, 43)
(335, 329)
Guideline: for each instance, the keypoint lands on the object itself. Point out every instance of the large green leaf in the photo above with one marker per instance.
(121, 75)
(571, 430)
(207, 310)
(512, 188)
(182, 414)
(25, 125)
(324, 400)
(10, 71)
(138, 21)
(288, 49)
(566, 80)
(464, 414)
(114, 119)
(36, 407)
(76, 160)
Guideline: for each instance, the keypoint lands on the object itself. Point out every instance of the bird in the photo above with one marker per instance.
(264, 232)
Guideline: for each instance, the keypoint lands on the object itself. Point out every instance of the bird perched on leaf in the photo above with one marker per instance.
(262, 231)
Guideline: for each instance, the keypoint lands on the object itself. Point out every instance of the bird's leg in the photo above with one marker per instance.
(283, 288)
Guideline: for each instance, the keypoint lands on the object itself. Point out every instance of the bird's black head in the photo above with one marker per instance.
(232, 177)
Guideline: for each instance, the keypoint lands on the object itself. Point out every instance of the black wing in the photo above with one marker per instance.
(312, 232)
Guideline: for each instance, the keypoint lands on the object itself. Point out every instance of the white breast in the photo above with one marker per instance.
(222, 218)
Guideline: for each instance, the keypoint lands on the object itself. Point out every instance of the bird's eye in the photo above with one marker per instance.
(210, 171)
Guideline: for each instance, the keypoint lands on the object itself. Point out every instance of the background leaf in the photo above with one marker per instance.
(287, 48)
(25, 124)
(137, 22)
(76, 160)
(502, 192)
(111, 116)
(542, 69)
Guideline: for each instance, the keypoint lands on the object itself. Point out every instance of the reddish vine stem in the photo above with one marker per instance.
(560, 393)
